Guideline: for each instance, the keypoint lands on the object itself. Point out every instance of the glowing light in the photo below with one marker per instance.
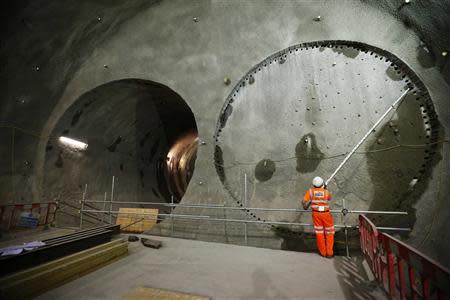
(413, 182)
(77, 145)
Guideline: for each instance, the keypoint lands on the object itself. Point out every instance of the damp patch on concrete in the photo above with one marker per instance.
(218, 159)
(59, 161)
(49, 147)
(226, 114)
(113, 146)
(393, 73)
(154, 149)
(308, 154)
(145, 138)
(347, 51)
(264, 170)
(76, 117)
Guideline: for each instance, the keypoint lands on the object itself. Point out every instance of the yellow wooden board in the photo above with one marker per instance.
(32, 282)
(144, 293)
(136, 220)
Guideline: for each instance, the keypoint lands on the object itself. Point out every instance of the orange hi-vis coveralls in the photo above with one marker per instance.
(319, 199)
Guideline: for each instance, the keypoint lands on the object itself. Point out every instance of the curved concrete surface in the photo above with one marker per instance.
(53, 53)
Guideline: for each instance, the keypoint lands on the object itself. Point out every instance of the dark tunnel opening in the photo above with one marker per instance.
(139, 131)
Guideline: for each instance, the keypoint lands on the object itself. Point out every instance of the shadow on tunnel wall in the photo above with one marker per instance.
(402, 174)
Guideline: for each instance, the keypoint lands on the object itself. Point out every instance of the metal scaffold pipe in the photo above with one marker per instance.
(366, 136)
(207, 218)
(214, 206)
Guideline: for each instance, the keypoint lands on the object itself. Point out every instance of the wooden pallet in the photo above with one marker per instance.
(37, 280)
(136, 220)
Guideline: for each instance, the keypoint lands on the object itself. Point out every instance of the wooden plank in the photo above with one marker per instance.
(136, 220)
(62, 273)
(90, 259)
(159, 294)
(57, 262)
(51, 252)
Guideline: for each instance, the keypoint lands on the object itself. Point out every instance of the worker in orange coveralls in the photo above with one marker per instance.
(318, 199)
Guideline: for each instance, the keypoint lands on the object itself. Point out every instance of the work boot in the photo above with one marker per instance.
(330, 256)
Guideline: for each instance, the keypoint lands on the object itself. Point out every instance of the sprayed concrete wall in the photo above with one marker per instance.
(55, 54)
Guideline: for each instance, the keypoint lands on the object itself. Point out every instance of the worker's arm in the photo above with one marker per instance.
(306, 200)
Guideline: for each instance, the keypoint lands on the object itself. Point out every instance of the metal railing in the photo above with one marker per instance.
(390, 259)
(244, 207)
(10, 214)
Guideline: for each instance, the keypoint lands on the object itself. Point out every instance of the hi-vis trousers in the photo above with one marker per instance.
(324, 229)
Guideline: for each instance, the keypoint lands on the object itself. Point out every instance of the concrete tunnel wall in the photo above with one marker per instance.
(54, 53)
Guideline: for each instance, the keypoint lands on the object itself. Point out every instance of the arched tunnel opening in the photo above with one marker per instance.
(139, 131)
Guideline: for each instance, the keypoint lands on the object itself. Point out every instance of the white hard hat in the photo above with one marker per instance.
(317, 181)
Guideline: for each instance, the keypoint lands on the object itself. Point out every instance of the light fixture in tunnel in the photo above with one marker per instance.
(73, 144)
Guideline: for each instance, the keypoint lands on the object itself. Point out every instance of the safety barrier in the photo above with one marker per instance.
(27, 215)
(390, 260)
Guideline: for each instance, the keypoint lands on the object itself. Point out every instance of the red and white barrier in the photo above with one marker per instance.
(11, 214)
(403, 271)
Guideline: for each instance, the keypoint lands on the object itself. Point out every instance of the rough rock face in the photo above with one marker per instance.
(57, 58)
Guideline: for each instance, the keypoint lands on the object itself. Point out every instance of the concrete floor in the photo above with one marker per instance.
(223, 271)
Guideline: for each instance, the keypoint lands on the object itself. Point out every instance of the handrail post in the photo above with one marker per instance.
(401, 278)
(13, 167)
(111, 201)
(345, 227)
(46, 215)
(82, 205)
(245, 205)
(426, 289)
(104, 207)
(391, 274)
(412, 282)
(171, 215)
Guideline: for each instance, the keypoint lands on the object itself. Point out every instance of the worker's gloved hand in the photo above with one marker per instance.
(325, 186)
(306, 205)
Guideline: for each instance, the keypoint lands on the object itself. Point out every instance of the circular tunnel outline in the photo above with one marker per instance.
(280, 57)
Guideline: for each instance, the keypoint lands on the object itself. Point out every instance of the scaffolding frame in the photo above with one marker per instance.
(245, 208)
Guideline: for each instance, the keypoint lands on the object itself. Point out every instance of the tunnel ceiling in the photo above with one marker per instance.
(306, 107)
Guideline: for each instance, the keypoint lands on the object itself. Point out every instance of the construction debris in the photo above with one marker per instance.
(133, 238)
(151, 243)
(15, 250)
